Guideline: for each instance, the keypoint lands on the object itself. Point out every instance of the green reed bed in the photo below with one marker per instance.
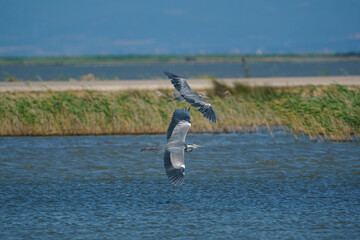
(331, 112)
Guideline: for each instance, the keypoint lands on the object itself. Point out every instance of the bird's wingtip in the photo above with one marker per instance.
(176, 176)
(170, 75)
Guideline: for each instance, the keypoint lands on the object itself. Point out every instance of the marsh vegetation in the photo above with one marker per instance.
(331, 112)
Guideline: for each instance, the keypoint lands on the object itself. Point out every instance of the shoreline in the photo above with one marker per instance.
(157, 84)
(177, 58)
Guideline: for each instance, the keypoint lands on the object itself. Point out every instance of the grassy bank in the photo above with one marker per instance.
(331, 112)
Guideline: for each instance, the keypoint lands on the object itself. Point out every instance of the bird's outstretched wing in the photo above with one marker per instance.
(179, 120)
(192, 97)
(179, 83)
(204, 107)
(176, 174)
(174, 151)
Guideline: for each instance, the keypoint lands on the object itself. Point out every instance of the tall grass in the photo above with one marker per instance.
(320, 112)
(331, 112)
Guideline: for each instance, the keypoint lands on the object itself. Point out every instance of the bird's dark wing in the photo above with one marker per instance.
(179, 83)
(176, 174)
(178, 116)
(204, 107)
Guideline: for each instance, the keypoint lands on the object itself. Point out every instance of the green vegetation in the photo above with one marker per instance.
(331, 112)
(124, 59)
(11, 78)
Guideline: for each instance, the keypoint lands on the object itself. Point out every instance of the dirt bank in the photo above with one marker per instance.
(118, 85)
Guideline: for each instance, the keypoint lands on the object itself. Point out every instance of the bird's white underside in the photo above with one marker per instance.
(176, 144)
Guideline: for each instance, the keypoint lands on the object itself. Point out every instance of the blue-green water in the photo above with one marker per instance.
(152, 71)
(240, 186)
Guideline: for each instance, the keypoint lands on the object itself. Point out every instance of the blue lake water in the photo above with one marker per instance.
(240, 186)
(152, 71)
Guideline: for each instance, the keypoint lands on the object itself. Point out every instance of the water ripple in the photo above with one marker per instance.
(238, 186)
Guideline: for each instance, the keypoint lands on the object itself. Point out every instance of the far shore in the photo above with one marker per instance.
(123, 85)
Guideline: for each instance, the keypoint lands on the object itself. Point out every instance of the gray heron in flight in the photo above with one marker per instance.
(196, 100)
(174, 150)
(188, 148)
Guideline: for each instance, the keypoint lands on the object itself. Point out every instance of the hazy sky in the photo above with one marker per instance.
(84, 27)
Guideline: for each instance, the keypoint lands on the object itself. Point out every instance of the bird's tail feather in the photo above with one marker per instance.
(178, 97)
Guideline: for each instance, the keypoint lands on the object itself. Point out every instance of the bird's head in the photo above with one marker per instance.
(190, 147)
(203, 96)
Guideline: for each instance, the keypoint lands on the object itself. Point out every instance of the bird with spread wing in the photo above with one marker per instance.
(196, 100)
(174, 150)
